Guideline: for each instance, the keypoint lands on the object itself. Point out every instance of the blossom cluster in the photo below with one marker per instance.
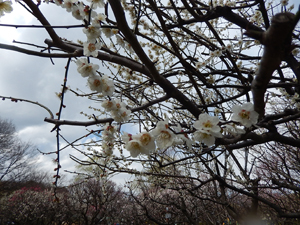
(94, 30)
(142, 143)
(100, 84)
(117, 109)
(207, 130)
(108, 137)
(84, 12)
(161, 137)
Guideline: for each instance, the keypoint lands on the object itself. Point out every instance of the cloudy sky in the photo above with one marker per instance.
(36, 79)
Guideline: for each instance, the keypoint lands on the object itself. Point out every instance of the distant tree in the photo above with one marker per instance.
(16, 156)
(93, 202)
(33, 204)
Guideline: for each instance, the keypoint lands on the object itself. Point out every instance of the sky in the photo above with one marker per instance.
(36, 79)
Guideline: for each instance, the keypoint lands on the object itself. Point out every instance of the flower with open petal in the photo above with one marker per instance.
(86, 69)
(5, 7)
(134, 147)
(147, 141)
(208, 124)
(245, 114)
(207, 129)
(206, 138)
(91, 49)
(163, 135)
(95, 83)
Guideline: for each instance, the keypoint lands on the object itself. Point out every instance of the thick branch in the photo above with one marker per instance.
(277, 41)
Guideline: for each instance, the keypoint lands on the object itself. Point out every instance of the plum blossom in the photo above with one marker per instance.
(118, 109)
(207, 129)
(200, 64)
(99, 18)
(126, 137)
(207, 139)
(88, 13)
(91, 49)
(69, 5)
(109, 105)
(121, 115)
(101, 84)
(163, 135)
(134, 147)
(108, 134)
(208, 124)
(95, 83)
(108, 87)
(245, 114)
(142, 143)
(108, 137)
(109, 32)
(97, 3)
(92, 32)
(78, 11)
(5, 7)
(86, 69)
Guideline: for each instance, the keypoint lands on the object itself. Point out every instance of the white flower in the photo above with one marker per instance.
(208, 124)
(230, 3)
(245, 114)
(97, 3)
(163, 135)
(120, 104)
(86, 69)
(147, 141)
(88, 13)
(295, 51)
(142, 143)
(109, 105)
(207, 139)
(126, 137)
(5, 7)
(200, 64)
(91, 49)
(99, 18)
(119, 111)
(121, 115)
(134, 147)
(92, 32)
(109, 32)
(107, 148)
(78, 11)
(108, 134)
(69, 5)
(207, 129)
(218, 52)
(210, 79)
(108, 87)
(95, 83)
